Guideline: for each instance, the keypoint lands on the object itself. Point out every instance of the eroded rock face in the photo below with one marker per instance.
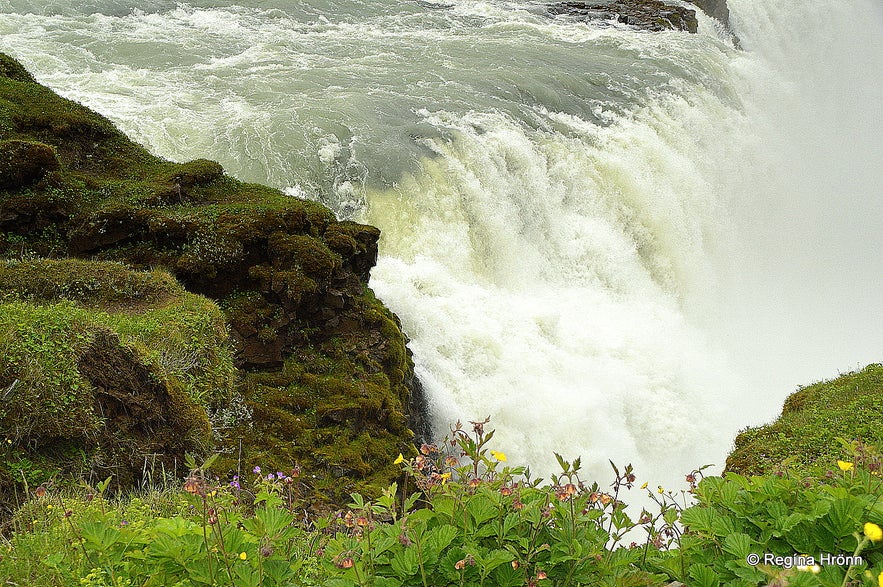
(650, 15)
(324, 371)
(717, 9)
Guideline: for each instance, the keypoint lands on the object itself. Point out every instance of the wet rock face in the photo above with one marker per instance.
(717, 9)
(650, 15)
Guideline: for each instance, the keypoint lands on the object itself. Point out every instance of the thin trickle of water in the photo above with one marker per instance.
(616, 244)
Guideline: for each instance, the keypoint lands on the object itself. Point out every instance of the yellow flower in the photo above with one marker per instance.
(873, 531)
(644, 486)
(242, 555)
(844, 465)
(499, 456)
(50, 506)
(400, 459)
(444, 477)
(660, 489)
(880, 579)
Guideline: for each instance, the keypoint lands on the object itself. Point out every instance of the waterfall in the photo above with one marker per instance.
(616, 244)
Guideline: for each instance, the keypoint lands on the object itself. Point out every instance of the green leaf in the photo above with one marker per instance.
(99, 536)
(510, 521)
(441, 537)
(481, 509)
(405, 563)
(844, 517)
(506, 576)
(782, 526)
(493, 559)
(738, 544)
(703, 576)
(700, 519)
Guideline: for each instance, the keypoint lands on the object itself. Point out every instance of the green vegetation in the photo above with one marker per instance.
(105, 365)
(315, 370)
(465, 518)
(805, 437)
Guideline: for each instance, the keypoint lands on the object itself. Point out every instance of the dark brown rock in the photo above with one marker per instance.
(650, 15)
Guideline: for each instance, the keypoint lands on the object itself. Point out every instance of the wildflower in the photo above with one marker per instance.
(451, 461)
(271, 477)
(541, 575)
(266, 550)
(460, 564)
(256, 470)
(474, 482)
(404, 540)
(295, 472)
(505, 490)
(399, 460)
(40, 491)
(50, 506)
(192, 485)
(280, 475)
(606, 498)
(644, 486)
(844, 465)
(444, 477)
(660, 490)
(515, 564)
(880, 579)
(420, 462)
(499, 456)
(243, 556)
(873, 532)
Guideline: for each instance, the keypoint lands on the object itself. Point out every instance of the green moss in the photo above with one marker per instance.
(322, 362)
(23, 163)
(92, 284)
(806, 436)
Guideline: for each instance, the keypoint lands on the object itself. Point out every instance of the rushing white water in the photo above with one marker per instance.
(616, 244)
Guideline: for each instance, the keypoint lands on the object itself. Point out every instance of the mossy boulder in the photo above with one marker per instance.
(290, 278)
(815, 421)
(119, 367)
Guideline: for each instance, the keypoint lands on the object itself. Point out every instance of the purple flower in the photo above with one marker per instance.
(270, 477)
(257, 470)
(280, 475)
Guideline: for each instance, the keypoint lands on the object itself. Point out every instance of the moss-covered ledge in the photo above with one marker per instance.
(104, 371)
(807, 436)
(323, 375)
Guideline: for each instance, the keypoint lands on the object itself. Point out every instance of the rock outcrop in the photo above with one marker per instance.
(650, 15)
(323, 370)
(716, 9)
